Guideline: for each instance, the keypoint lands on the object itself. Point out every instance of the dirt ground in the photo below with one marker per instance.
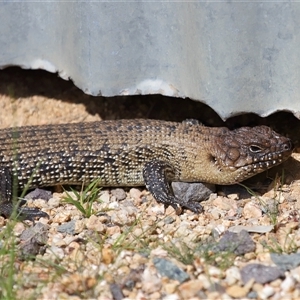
(31, 97)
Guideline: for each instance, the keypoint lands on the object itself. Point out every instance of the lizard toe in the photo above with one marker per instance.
(194, 207)
(29, 213)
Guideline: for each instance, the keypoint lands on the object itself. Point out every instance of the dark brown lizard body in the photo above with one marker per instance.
(134, 153)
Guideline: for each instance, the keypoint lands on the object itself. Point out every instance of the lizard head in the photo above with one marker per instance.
(246, 151)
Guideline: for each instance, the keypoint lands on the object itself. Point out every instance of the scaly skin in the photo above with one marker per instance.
(134, 153)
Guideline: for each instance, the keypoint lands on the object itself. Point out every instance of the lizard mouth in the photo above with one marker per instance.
(246, 151)
(264, 163)
(249, 166)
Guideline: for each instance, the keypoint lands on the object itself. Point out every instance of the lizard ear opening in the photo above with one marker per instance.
(255, 149)
(212, 159)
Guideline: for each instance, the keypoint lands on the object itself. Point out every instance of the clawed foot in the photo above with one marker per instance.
(192, 206)
(23, 213)
(28, 213)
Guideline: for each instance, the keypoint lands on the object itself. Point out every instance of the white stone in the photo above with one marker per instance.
(288, 284)
(266, 292)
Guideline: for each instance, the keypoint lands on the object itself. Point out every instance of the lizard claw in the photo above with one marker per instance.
(23, 213)
(193, 206)
(177, 208)
(30, 213)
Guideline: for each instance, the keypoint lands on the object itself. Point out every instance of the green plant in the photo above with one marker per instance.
(182, 253)
(85, 198)
(289, 245)
(7, 262)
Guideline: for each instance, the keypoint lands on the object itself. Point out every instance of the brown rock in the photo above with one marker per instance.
(190, 289)
(225, 203)
(236, 291)
(94, 223)
(135, 194)
(107, 255)
(252, 210)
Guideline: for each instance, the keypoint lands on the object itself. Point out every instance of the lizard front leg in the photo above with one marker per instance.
(6, 202)
(157, 176)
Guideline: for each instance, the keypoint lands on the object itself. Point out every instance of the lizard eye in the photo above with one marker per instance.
(255, 149)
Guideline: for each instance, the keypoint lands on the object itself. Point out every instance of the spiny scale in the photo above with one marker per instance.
(81, 152)
(134, 153)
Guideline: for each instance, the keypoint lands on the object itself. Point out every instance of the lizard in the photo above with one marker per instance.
(134, 152)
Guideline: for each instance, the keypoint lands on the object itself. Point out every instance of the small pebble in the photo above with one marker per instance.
(94, 223)
(104, 196)
(171, 287)
(232, 275)
(120, 194)
(233, 196)
(192, 191)
(215, 213)
(113, 230)
(266, 292)
(150, 282)
(261, 273)
(224, 203)
(54, 202)
(214, 272)
(56, 251)
(286, 261)
(79, 226)
(107, 255)
(68, 227)
(171, 297)
(296, 273)
(18, 228)
(190, 288)
(39, 194)
(169, 269)
(252, 210)
(236, 291)
(288, 284)
(238, 243)
(135, 193)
